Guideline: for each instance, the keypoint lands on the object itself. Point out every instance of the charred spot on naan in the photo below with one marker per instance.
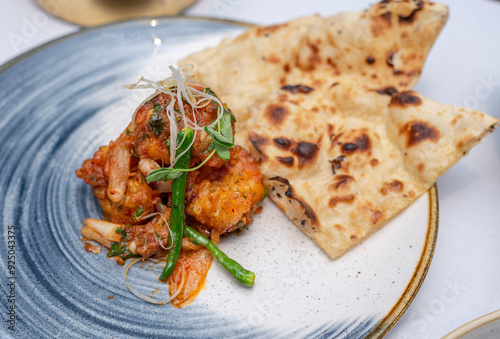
(377, 216)
(407, 12)
(276, 114)
(287, 161)
(393, 186)
(346, 199)
(380, 23)
(389, 90)
(456, 119)
(341, 182)
(300, 212)
(409, 74)
(390, 58)
(283, 143)
(336, 163)
(408, 19)
(310, 55)
(419, 131)
(272, 58)
(314, 58)
(402, 60)
(258, 141)
(335, 139)
(306, 152)
(333, 64)
(464, 141)
(330, 130)
(412, 57)
(297, 89)
(369, 214)
(361, 143)
(405, 99)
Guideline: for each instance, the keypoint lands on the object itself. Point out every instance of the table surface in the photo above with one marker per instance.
(462, 282)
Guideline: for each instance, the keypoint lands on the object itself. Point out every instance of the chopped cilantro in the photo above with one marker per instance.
(139, 212)
(156, 123)
(134, 153)
(121, 231)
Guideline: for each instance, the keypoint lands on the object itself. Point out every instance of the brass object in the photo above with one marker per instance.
(98, 12)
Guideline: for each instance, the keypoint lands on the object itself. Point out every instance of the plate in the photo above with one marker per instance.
(485, 327)
(59, 103)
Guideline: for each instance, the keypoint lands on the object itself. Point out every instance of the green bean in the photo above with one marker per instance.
(185, 137)
(244, 276)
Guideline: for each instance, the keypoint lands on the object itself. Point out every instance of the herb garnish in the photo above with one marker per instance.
(121, 231)
(134, 153)
(120, 249)
(156, 122)
(223, 140)
(139, 212)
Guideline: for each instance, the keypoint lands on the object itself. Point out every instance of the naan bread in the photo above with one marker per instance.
(326, 105)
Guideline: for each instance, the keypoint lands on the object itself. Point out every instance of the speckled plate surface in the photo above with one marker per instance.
(58, 103)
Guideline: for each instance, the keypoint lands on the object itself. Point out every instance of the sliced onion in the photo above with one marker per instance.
(148, 298)
(105, 229)
(178, 87)
(170, 234)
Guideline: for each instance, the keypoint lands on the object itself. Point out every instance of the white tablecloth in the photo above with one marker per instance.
(463, 69)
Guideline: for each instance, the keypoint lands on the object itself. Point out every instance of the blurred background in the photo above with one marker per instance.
(25, 25)
(462, 283)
